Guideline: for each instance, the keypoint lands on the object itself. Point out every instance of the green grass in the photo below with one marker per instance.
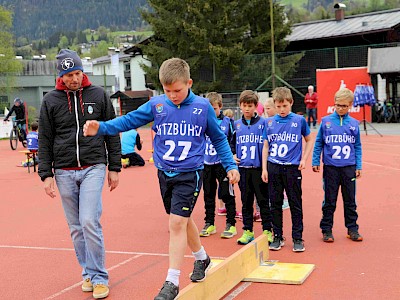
(294, 3)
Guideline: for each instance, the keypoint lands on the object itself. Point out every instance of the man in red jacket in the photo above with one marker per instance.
(311, 101)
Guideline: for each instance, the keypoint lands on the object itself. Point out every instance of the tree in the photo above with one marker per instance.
(212, 35)
(8, 65)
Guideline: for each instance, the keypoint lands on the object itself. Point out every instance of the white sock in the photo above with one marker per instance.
(173, 276)
(200, 255)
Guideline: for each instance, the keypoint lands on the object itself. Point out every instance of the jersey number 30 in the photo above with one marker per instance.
(172, 145)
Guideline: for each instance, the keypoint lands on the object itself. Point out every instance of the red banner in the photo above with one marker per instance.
(329, 82)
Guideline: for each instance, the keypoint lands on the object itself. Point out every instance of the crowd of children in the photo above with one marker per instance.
(264, 149)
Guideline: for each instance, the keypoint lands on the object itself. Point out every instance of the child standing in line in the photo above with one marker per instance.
(181, 122)
(282, 164)
(213, 172)
(339, 141)
(270, 110)
(248, 142)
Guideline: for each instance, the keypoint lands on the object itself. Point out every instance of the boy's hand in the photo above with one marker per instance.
(302, 165)
(358, 174)
(233, 176)
(90, 128)
(237, 160)
(315, 169)
(264, 176)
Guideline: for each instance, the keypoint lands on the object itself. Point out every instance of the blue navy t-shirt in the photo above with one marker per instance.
(284, 137)
(32, 140)
(249, 143)
(178, 136)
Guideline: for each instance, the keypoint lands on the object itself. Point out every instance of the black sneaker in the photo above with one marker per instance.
(298, 245)
(328, 237)
(354, 236)
(277, 243)
(200, 269)
(169, 291)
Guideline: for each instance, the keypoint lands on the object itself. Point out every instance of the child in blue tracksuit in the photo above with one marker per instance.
(339, 141)
(247, 143)
(283, 161)
(213, 172)
(181, 122)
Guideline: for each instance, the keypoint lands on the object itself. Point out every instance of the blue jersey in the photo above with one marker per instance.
(249, 142)
(128, 141)
(284, 136)
(339, 140)
(211, 157)
(32, 140)
(179, 142)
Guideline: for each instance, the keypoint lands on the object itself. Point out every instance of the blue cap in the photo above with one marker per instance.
(68, 61)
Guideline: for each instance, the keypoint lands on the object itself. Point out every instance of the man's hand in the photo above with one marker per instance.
(233, 176)
(90, 128)
(315, 169)
(49, 187)
(113, 180)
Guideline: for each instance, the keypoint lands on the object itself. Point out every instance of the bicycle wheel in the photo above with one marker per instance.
(389, 114)
(14, 138)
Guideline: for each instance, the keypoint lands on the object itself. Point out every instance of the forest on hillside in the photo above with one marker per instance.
(39, 19)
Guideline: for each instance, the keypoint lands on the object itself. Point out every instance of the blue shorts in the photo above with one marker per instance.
(179, 193)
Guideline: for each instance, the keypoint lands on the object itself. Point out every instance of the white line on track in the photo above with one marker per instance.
(383, 166)
(79, 283)
(109, 251)
(237, 291)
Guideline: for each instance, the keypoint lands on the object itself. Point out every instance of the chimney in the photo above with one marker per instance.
(339, 11)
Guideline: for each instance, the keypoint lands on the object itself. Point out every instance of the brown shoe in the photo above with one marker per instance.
(87, 285)
(100, 291)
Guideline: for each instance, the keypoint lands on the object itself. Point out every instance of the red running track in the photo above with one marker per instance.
(37, 260)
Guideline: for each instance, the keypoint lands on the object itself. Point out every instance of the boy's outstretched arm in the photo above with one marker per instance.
(90, 128)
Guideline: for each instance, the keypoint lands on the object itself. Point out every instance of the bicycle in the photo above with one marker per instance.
(16, 134)
(384, 112)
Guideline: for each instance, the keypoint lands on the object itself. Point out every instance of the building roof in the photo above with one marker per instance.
(107, 58)
(132, 94)
(352, 25)
(384, 60)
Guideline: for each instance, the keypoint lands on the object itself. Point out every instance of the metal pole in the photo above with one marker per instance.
(271, 15)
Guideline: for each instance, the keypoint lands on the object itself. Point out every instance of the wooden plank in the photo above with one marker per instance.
(228, 273)
(277, 272)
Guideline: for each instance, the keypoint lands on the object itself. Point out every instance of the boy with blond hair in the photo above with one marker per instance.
(248, 144)
(181, 122)
(338, 140)
(213, 172)
(282, 164)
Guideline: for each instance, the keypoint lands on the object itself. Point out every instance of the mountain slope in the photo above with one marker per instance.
(37, 19)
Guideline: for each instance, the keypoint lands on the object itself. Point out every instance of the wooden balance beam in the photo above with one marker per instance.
(250, 263)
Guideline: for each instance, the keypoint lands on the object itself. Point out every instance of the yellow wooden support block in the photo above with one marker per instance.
(277, 272)
(228, 273)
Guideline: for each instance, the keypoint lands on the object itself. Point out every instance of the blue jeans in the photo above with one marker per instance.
(311, 113)
(81, 198)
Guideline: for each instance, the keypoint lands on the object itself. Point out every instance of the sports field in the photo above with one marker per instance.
(37, 260)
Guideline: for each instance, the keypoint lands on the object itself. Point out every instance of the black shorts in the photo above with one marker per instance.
(179, 193)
